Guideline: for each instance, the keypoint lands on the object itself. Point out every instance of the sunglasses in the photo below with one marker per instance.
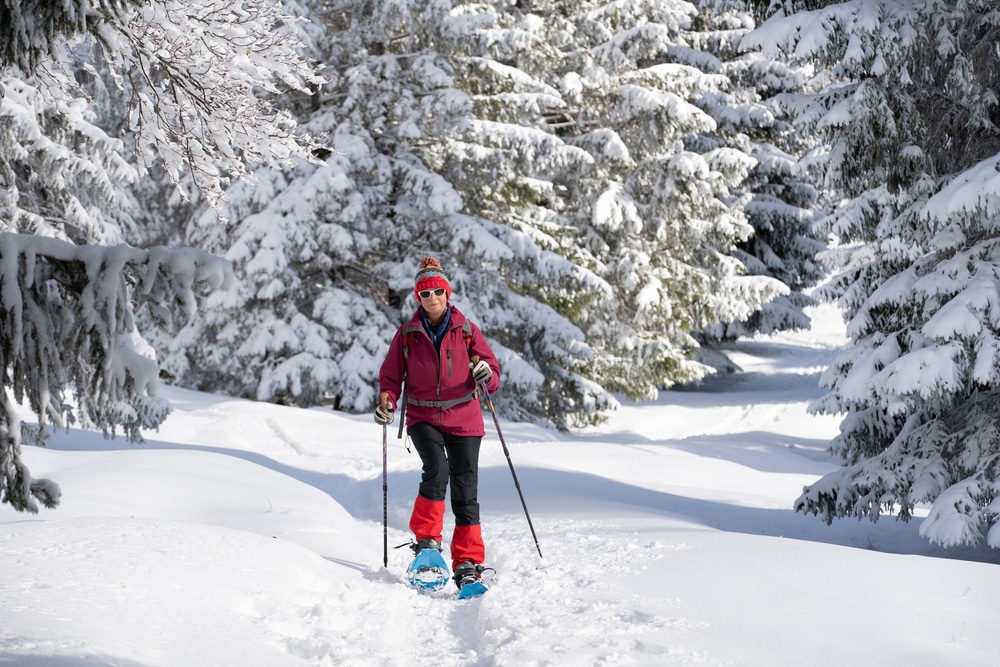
(426, 293)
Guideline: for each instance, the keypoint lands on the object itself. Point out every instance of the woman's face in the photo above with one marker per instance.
(434, 304)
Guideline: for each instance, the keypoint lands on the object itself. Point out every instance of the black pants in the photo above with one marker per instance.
(449, 457)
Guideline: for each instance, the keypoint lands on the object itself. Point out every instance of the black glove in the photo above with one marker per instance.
(383, 415)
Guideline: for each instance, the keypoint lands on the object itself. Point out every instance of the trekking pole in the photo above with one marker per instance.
(385, 496)
(517, 485)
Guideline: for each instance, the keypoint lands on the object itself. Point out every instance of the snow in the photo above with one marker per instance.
(974, 191)
(250, 534)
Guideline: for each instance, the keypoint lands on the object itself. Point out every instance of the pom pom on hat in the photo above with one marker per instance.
(430, 275)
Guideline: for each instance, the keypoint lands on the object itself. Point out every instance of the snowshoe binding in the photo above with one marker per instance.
(469, 579)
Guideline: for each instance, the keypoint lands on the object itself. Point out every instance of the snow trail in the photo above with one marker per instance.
(251, 535)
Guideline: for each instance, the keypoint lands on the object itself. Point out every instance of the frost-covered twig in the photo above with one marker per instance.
(203, 74)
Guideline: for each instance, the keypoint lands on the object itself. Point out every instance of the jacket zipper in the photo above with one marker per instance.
(437, 379)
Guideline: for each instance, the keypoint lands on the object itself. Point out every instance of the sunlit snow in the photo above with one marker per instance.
(250, 534)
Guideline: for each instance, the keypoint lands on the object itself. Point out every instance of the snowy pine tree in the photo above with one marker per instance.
(540, 151)
(911, 115)
(509, 166)
(36, 32)
(752, 115)
(197, 77)
(325, 254)
(59, 173)
(605, 94)
(67, 324)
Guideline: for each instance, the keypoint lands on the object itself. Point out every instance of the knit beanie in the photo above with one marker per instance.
(430, 275)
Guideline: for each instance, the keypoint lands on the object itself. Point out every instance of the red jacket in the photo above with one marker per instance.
(436, 384)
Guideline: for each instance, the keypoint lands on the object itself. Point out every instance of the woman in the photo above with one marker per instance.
(442, 358)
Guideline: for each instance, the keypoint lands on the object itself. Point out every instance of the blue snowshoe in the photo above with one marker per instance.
(469, 579)
(428, 571)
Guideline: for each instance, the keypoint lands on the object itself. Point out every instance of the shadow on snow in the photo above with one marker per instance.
(569, 492)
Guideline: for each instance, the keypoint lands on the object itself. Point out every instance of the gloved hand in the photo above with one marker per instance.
(481, 371)
(384, 416)
(384, 413)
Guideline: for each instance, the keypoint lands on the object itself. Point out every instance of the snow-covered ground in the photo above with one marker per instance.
(249, 535)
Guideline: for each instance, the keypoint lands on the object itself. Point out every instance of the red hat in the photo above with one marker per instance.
(430, 275)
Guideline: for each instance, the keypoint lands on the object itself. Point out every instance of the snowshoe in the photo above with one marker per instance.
(428, 571)
(469, 579)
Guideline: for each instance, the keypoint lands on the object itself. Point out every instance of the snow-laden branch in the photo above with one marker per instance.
(35, 31)
(203, 74)
(67, 322)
